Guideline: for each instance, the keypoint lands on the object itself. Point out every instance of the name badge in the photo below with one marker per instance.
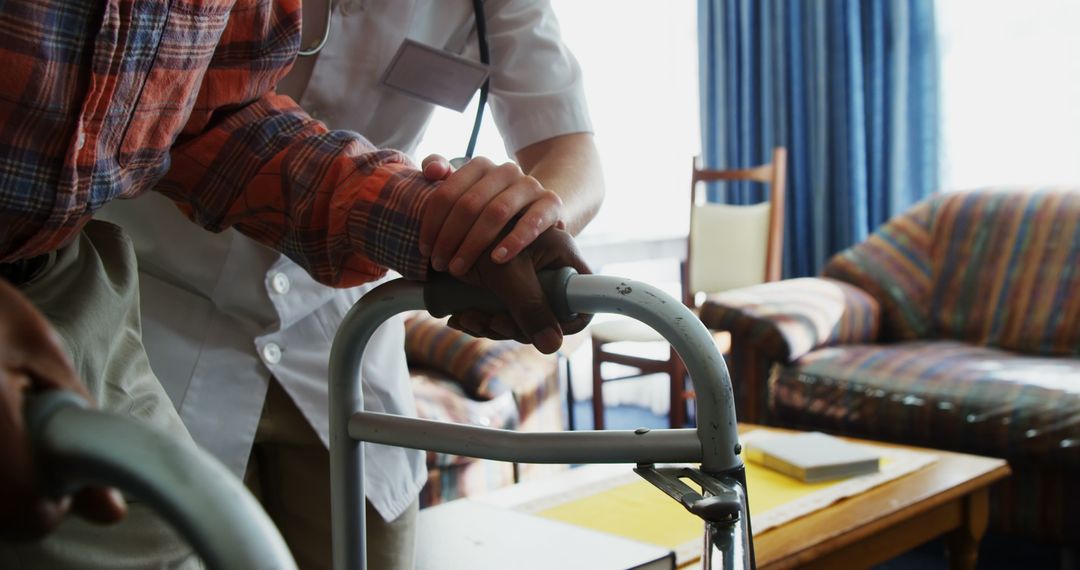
(434, 75)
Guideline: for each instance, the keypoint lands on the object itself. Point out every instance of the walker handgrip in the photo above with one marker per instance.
(190, 489)
(445, 295)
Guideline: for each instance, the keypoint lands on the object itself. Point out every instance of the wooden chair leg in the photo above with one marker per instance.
(597, 386)
(566, 368)
(677, 414)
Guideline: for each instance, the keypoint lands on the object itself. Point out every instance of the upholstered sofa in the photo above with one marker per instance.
(956, 326)
(498, 384)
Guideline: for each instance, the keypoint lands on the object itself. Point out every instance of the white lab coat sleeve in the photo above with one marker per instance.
(537, 89)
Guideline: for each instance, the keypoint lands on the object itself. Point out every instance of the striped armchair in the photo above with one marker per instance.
(498, 384)
(956, 326)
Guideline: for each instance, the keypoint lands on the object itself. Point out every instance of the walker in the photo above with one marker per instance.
(229, 529)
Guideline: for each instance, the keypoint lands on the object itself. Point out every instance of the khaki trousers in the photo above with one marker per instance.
(89, 292)
(289, 471)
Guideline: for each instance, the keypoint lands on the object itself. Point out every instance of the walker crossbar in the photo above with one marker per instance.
(623, 446)
(716, 445)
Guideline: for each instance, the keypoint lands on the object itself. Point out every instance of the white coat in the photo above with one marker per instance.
(222, 314)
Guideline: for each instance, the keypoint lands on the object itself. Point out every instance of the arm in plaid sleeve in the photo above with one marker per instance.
(251, 159)
(327, 199)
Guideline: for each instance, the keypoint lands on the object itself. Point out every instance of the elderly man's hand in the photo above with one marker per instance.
(31, 359)
(530, 318)
(473, 205)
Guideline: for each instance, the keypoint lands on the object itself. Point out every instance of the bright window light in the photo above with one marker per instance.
(1010, 87)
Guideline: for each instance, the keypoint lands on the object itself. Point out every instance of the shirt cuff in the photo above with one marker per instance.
(542, 121)
(387, 229)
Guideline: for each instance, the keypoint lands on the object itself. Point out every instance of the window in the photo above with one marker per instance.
(1010, 88)
(640, 64)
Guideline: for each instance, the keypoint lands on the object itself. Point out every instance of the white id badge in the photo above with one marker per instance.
(434, 75)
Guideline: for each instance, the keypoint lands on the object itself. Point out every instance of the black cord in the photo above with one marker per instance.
(481, 36)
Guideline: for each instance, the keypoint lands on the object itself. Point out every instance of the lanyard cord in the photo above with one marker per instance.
(485, 58)
(481, 36)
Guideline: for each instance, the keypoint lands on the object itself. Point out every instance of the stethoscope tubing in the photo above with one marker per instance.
(326, 33)
(481, 33)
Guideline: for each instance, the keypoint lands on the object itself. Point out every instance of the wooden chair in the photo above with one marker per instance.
(728, 246)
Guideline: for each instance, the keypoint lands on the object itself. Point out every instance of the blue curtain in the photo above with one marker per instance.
(850, 87)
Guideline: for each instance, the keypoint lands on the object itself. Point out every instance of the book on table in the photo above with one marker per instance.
(813, 457)
(611, 498)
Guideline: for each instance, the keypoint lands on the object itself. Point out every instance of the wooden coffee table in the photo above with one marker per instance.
(949, 497)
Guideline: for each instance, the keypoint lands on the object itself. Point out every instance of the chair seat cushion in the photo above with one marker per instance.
(941, 394)
(623, 329)
(627, 330)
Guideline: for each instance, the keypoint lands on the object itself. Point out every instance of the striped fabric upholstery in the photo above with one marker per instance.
(461, 379)
(953, 395)
(893, 265)
(1007, 269)
(473, 362)
(439, 398)
(939, 393)
(483, 368)
(461, 480)
(786, 319)
(995, 267)
(452, 476)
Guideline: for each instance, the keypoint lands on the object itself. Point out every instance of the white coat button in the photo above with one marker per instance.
(271, 353)
(280, 283)
(80, 141)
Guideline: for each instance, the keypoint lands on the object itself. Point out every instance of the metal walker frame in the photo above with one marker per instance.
(229, 529)
(714, 444)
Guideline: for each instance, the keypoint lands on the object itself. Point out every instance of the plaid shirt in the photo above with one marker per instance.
(97, 98)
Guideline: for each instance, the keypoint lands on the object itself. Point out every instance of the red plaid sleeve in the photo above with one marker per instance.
(328, 199)
(98, 96)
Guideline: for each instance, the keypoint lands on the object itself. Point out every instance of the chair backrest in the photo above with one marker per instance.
(732, 246)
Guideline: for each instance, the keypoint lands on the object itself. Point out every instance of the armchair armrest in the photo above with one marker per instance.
(784, 320)
(474, 363)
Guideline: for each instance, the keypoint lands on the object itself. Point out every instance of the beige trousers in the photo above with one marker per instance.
(89, 292)
(289, 471)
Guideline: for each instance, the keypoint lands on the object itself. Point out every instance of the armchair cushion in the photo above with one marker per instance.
(475, 363)
(784, 320)
(941, 393)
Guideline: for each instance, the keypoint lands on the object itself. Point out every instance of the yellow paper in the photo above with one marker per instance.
(642, 512)
(636, 510)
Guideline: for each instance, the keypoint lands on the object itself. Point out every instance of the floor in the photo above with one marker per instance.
(997, 552)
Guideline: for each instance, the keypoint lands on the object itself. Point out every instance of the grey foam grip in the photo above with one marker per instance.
(444, 295)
